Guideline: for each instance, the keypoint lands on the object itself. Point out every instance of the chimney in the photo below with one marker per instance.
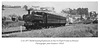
(28, 12)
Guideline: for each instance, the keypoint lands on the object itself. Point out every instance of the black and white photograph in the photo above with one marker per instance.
(49, 19)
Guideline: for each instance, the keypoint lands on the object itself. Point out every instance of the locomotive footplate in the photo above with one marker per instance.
(34, 25)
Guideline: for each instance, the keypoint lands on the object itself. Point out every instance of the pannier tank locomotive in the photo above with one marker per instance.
(40, 19)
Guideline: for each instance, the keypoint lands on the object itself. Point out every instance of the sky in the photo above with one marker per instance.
(92, 6)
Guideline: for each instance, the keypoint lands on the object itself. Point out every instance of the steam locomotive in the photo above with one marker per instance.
(40, 19)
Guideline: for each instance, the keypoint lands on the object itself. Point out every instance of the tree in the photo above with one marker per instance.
(66, 11)
(73, 12)
(69, 11)
(93, 14)
(2, 7)
(82, 11)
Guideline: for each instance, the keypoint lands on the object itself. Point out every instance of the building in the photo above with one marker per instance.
(72, 18)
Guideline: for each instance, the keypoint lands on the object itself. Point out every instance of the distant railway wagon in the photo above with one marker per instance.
(39, 19)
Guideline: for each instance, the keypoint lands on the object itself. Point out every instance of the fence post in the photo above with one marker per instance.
(21, 29)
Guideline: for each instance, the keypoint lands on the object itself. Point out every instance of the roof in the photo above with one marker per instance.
(60, 14)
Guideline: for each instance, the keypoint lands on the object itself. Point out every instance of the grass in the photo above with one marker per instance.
(8, 24)
(12, 26)
(75, 30)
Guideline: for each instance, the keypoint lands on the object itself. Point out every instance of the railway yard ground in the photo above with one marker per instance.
(71, 30)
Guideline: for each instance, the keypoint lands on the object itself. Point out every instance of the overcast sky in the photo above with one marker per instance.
(92, 6)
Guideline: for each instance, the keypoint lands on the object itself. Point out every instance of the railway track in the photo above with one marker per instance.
(14, 31)
(21, 31)
(17, 31)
